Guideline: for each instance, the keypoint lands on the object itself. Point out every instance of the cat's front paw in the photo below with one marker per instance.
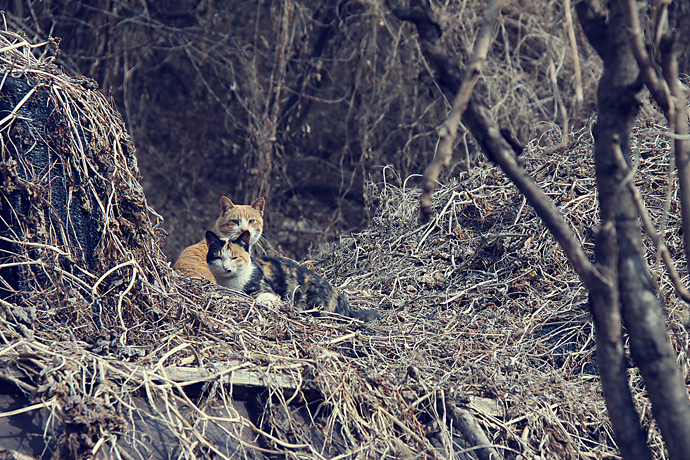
(267, 298)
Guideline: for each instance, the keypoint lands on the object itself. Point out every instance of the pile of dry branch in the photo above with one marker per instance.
(484, 325)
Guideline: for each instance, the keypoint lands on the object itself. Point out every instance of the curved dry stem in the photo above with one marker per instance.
(460, 102)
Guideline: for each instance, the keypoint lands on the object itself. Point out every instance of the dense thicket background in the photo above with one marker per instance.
(299, 101)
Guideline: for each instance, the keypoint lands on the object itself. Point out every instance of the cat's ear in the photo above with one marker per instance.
(211, 238)
(225, 204)
(259, 205)
(243, 240)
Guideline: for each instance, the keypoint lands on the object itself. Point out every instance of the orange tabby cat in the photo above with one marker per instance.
(233, 220)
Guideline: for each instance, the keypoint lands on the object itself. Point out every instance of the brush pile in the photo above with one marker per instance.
(485, 336)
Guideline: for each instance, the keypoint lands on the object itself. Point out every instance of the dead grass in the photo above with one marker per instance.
(483, 301)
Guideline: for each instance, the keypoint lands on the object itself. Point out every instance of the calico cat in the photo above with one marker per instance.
(268, 279)
(232, 222)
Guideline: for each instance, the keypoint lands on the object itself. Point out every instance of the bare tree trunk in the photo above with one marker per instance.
(649, 342)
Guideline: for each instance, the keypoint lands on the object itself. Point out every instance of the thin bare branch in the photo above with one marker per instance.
(462, 98)
(681, 290)
(679, 127)
(657, 86)
(579, 95)
(667, 92)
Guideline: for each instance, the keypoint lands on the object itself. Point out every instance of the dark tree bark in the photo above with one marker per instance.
(617, 109)
(649, 342)
(679, 17)
(37, 166)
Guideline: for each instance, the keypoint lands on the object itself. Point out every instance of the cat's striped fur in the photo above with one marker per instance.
(269, 278)
(233, 220)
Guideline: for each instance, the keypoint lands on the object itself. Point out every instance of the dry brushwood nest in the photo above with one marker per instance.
(105, 351)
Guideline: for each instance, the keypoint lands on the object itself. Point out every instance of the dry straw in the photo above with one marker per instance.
(483, 322)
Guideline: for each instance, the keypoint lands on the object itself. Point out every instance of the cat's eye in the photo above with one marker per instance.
(252, 221)
(235, 222)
